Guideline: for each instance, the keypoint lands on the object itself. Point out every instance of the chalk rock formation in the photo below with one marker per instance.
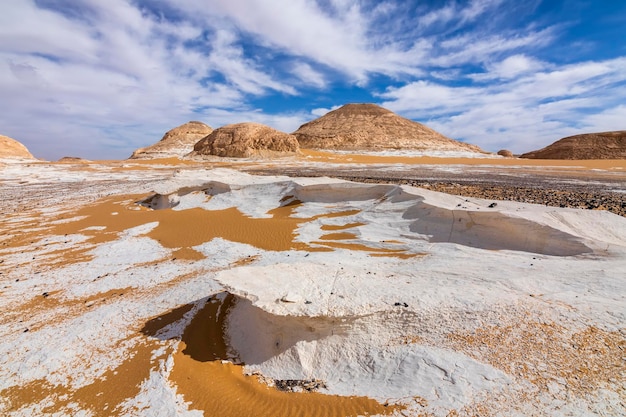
(10, 148)
(605, 145)
(371, 127)
(73, 160)
(506, 153)
(175, 143)
(244, 140)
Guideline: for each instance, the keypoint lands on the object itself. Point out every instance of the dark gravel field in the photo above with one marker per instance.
(559, 188)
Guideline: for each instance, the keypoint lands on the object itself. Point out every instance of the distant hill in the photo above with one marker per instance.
(243, 140)
(371, 127)
(605, 145)
(73, 159)
(176, 142)
(10, 148)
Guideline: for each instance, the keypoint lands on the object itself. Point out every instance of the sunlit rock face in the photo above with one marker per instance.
(605, 145)
(10, 148)
(371, 127)
(176, 142)
(244, 140)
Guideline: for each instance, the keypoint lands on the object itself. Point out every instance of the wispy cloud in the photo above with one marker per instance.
(124, 68)
(511, 67)
(108, 77)
(228, 59)
(320, 111)
(455, 14)
(522, 110)
(481, 48)
(308, 76)
(299, 27)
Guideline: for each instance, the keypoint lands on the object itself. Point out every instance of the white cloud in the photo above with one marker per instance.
(439, 16)
(523, 113)
(228, 59)
(511, 67)
(480, 48)
(423, 95)
(608, 120)
(299, 27)
(452, 12)
(115, 75)
(318, 112)
(287, 122)
(477, 8)
(349, 39)
(308, 75)
(94, 75)
(27, 29)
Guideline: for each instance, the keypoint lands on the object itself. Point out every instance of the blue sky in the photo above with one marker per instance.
(99, 79)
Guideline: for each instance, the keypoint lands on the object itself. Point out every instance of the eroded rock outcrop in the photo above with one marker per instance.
(604, 145)
(176, 142)
(10, 148)
(244, 140)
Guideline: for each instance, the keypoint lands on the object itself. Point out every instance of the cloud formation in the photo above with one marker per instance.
(100, 79)
(527, 108)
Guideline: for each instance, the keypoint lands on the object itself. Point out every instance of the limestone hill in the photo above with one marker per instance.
(605, 145)
(244, 140)
(371, 127)
(10, 148)
(176, 142)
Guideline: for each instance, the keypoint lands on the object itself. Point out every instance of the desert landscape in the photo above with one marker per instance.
(362, 265)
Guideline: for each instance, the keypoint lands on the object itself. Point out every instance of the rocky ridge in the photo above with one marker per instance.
(604, 145)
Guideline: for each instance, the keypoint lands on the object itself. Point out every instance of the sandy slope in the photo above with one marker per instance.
(123, 290)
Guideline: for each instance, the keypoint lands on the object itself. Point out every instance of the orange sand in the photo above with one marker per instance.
(103, 397)
(338, 236)
(188, 254)
(311, 155)
(400, 253)
(221, 389)
(341, 226)
(179, 230)
(333, 158)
